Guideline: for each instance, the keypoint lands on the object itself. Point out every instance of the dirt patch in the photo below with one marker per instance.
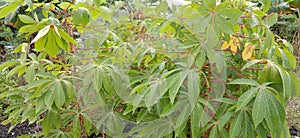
(293, 116)
(19, 130)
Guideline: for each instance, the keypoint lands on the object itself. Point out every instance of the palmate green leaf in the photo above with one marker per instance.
(180, 131)
(11, 7)
(154, 129)
(115, 125)
(269, 41)
(251, 63)
(66, 36)
(180, 104)
(40, 104)
(87, 123)
(81, 16)
(196, 23)
(235, 131)
(76, 126)
(193, 85)
(152, 97)
(61, 42)
(226, 26)
(12, 107)
(102, 11)
(261, 131)
(59, 95)
(100, 40)
(242, 126)
(267, 107)
(97, 83)
(223, 132)
(207, 104)
(247, 125)
(40, 89)
(276, 118)
(214, 132)
(141, 115)
(291, 58)
(266, 4)
(232, 13)
(30, 114)
(51, 47)
(212, 37)
(41, 33)
(260, 108)
(108, 84)
(26, 19)
(49, 99)
(287, 83)
(195, 120)
(40, 44)
(210, 4)
(210, 53)
(157, 90)
(20, 69)
(46, 75)
(224, 119)
(245, 82)
(184, 115)
(8, 64)
(271, 20)
(139, 88)
(30, 73)
(38, 83)
(69, 91)
(285, 61)
(51, 39)
(200, 59)
(64, 5)
(175, 81)
(225, 100)
(162, 7)
(295, 83)
(246, 97)
(47, 123)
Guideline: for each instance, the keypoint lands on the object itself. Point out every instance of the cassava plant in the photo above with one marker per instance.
(142, 69)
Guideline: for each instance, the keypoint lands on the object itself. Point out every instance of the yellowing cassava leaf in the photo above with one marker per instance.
(233, 48)
(225, 45)
(248, 51)
(233, 44)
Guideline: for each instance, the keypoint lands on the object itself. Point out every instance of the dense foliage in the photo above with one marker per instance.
(148, 69)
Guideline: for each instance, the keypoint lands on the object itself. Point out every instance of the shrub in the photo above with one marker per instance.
(140, 70)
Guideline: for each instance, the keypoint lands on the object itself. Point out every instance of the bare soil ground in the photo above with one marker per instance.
(19, 130)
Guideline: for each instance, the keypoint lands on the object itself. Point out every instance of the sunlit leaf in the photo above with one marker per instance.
(11, 7)
(41, 33)
(26, 19)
